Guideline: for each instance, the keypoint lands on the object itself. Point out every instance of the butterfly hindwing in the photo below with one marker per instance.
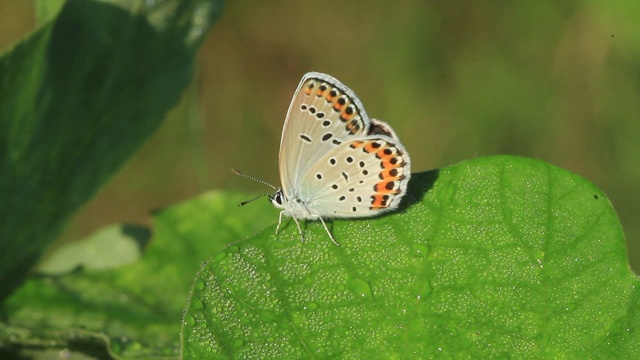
(360, 178)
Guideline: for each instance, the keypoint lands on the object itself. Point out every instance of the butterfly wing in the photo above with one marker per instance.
(324, 114)
(359, 178)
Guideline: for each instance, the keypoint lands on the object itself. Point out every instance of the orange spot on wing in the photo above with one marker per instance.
(331, 98)
(381, 188)
(381, 155)
(353, 127)
(388, 176)
(346, 117)
(386, 164)
(379, 201)
(356, 144)
(369, 148)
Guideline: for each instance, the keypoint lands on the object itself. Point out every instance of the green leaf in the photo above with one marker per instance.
(494, 257)
(109, 248)
(78, 97)
(134, 310)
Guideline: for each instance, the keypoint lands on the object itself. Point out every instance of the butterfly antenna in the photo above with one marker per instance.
(257, 197)
(254, 179)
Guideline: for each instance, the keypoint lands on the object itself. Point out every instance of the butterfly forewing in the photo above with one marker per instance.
(323, 115)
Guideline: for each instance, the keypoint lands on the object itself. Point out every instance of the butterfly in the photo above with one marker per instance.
(336, 162)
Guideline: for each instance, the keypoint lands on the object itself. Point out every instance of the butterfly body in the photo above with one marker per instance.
(336, 162)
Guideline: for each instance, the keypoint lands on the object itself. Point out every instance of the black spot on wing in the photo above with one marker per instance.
(305, 138)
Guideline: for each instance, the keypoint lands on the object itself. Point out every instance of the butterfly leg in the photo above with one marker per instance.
(294, 219)
(327, 230)
(299, 230)
(279, 222)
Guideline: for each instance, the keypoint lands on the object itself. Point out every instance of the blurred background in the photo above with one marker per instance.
(557, 81)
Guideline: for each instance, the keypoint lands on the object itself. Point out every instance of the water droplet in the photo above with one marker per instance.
(419, 250)
(361, 288)
(199, 285)
(190, 321)
(423, 288)
(311, 306)
(196, 304)
(237, 343)
(542, 338)
(219, 256)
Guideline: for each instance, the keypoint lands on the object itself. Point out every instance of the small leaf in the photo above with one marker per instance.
(109, 248)
(493, 257)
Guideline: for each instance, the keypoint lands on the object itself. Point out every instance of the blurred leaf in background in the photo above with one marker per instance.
(133, 310)
(79, 96)
(549, 80)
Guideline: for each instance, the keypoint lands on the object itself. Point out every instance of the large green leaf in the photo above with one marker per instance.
(77, 98)
(494, 257)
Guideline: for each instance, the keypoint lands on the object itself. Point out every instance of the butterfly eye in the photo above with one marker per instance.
(277, 198)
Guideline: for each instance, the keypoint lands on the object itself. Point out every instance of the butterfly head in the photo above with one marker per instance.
(277, 199)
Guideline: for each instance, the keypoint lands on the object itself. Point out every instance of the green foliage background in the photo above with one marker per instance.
(558, 81)
(548, 80)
